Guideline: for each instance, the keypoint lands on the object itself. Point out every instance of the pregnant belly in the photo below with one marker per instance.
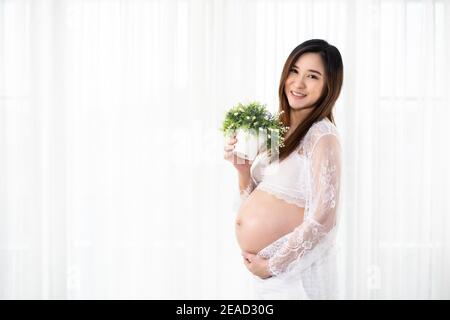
(264, 218)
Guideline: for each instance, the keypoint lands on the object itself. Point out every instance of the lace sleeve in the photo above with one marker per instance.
(320, 208)
(243, 194)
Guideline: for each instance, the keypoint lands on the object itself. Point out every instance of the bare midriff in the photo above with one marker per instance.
(264, 218)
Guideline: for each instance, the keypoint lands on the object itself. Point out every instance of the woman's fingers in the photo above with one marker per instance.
(230, 144)
(229, 147)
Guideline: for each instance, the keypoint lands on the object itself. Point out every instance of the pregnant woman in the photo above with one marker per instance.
(287, 214)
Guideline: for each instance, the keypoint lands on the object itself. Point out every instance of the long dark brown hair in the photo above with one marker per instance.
(323, 108)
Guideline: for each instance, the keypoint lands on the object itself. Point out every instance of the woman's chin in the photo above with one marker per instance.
(299, 106)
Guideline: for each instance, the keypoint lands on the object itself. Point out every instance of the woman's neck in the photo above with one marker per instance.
(296, 118)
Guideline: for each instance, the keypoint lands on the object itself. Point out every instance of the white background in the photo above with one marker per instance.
(112, 178)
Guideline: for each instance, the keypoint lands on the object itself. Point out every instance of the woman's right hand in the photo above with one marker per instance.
(241, 165)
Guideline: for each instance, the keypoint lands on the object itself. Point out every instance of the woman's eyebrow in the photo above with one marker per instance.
(315, 71)
(310, 70)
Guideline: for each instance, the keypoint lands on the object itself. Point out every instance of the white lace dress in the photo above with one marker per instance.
(303, 263)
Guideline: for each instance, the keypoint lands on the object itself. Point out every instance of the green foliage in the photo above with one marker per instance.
(255, 116)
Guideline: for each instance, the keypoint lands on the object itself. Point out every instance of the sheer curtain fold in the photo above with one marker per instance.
(111, 168)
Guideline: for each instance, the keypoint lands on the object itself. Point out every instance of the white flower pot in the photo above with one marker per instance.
(249, 143)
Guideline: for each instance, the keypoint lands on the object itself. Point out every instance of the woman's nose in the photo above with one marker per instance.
(299, 82)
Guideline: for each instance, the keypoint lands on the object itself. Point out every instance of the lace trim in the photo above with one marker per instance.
(272, 248)
(243, 195)
(303, 240)
(325, 244)
(300, 202)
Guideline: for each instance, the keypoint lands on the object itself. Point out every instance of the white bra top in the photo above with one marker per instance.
(287, 179)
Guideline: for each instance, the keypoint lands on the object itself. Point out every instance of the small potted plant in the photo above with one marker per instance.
(256, 129)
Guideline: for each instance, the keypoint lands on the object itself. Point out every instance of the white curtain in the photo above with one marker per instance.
(112, 181)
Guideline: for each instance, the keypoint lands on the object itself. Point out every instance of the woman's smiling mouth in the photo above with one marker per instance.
(298, 95)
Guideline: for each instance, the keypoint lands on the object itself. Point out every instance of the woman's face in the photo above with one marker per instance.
(305, 81)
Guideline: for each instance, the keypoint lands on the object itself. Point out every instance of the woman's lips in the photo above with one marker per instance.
(297, 95)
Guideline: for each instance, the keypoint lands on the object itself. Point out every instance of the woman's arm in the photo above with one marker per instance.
(320, 209)
(246, 184)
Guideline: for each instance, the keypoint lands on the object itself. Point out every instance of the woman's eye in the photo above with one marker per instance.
(312, 76)
(293, 70)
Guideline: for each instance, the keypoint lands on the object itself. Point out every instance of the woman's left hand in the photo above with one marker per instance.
(257, 265)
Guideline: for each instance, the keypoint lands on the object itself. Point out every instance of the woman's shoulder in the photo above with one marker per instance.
(318, 130)
(321, 127)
